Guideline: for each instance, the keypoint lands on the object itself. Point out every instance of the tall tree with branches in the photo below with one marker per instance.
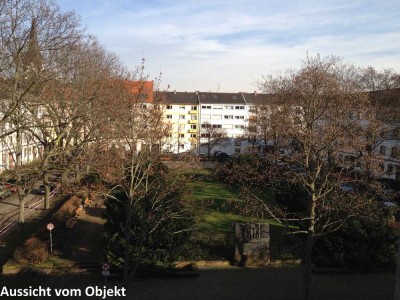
(318, 104)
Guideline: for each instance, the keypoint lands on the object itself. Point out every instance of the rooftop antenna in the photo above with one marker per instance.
(218, 87)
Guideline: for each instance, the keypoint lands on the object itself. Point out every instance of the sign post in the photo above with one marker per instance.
(105, 271)
(50, 227)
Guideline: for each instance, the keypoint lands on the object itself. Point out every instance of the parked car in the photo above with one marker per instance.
(52, 186)
(4, 192)
(347, 187)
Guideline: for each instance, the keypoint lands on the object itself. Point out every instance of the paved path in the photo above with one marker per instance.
(9, 210)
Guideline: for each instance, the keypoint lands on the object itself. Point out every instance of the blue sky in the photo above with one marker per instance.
(227, 45)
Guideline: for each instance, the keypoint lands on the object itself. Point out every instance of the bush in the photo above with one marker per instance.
(91, 179)
(34, 251)
(361, 243)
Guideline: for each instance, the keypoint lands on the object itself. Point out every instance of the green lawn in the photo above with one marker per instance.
(211, 199)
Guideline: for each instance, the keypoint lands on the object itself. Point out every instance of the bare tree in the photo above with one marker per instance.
(265, 121)
(128, 159)
(35, 36)
(373, 80)
(30, 33)
(212, 134)
(66, 117)
(325, 113)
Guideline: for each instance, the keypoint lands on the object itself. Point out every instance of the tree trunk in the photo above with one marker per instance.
(64, 181)
(21, 197)
(46, 191)
(18, 163)
(307, 271)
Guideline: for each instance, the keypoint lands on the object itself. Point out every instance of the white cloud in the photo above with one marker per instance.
(200, 44)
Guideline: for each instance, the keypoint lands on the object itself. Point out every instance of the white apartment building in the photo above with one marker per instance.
(227, 111)
(30, 150)
(189, 114)
(388, 150)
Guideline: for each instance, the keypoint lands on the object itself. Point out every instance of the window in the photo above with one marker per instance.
(206, 106)
(169, 106)
(169, 116)
(239, 107)
(181, 127)
(389, 169)
(239, 126)
(182, 135)
(193, 107)
(181, 117)
(206, 116)
(217, 126)
(229, 107)
(181, 106)
(228, 117)
(382, 150)
(193, 135)
(217, 117)
(217, 107)
(205, 135)
(182, 146)
(239, 117)
(193, 126)
(225, 126)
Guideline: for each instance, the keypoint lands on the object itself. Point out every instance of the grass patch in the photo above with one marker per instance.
(218, 223)
(217, 206)
(203, 186)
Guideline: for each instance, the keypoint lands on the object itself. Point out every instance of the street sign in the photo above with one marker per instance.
(50, 227)
(105, 269)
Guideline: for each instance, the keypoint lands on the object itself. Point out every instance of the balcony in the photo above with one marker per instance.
(192, 121)
(193, 112)
(192, 130)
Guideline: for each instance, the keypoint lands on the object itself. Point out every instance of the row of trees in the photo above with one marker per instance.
(60, 92)
(64, 95)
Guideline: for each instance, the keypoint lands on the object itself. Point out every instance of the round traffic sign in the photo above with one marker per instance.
(50, 226)
(105, 267)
